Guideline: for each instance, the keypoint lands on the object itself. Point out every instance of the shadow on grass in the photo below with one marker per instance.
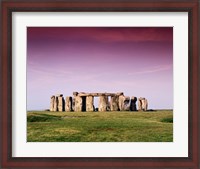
(42, 118)
(167, 120)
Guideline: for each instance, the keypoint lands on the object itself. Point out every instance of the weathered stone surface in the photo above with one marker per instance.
(121, 102)
(61, 103)
(73, 104)
(107, 104)
(102, 103)
(89, 103)
(55, 105)
(126, 105)
(78, 104)
(52, 103)
(114, 103)
(68, 104)
(75, 93)
(133, 106)
(142, 104)
(139, 104)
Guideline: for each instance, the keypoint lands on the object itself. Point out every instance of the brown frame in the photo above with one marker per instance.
(9, 6)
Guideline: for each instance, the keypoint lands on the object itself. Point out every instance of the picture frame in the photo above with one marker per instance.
(10, 6)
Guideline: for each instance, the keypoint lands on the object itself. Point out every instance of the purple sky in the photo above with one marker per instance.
(136, 61)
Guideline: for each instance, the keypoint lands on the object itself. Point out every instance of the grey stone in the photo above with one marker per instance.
(78, 104)
(121, 102)
(55, 105)
(73, 104)
(52, 103)
(139, 104)
(61, 103)
(133, 106)
(142, 104)
(89, 103)
(102, 103)
(75, 94)
(126, 105)
(114, 103)
(68, 104)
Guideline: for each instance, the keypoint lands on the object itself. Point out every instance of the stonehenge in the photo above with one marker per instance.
(84, 102)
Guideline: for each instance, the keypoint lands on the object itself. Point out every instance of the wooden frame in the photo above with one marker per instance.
(190, 6)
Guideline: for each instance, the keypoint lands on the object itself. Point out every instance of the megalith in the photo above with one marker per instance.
(121, 102)
(126, 105)
(78, 104)
(144, 104)
(52, 103)
(107, 104)
(102, 103)
(68, 104)
(73, 104)
(89, 103)
(55, 104)
(114, 103)
(133, 106)
(140, 104)
(61, 103)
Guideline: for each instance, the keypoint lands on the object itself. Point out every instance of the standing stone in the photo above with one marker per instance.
(114, 103)
(73, 104)
(61, 103)
(102, 103)
(68, 104)
(144, 104)
(52, 103)
(133, 106)
(78, 104)
(107, 104)
(126, 105)
(89, 103)
(121, 102)
(139, 104)
(55, 104)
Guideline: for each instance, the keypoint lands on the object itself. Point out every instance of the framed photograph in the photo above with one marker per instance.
(100, 84)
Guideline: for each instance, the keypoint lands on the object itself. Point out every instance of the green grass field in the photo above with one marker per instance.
(152, 126)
